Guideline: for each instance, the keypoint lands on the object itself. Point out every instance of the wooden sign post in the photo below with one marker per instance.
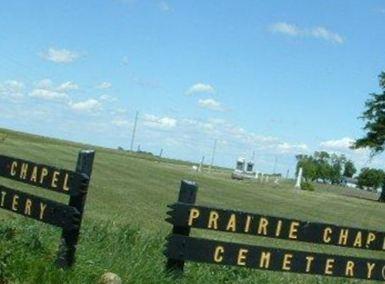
(183, 247)
(69, 239)
(72, 183)
(187, 194)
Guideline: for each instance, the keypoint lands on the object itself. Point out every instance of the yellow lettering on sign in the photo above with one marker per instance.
(15, 202)
(44, 173)
(262, 228)
(371, 238)
(3, 194)
(13, 168)
(65, 185)
(213, 220)
(194, 213)
(24, 170)
(309, 261)
(327, 235)
(242, 254)
(218, 254)
(329, 266)
(247, 225)
(278, 229)
(231, 225)
(370, 269)
(55, 178)
(264, 261)
(42, 210)
(34, 174)
(349, 268)
(27, 208)
(287, 261)
(358, 240)
(344, 233)
(293, 230)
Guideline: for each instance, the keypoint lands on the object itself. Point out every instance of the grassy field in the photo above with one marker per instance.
(124, 227)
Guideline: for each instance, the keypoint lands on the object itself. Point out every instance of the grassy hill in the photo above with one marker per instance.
(124, 227)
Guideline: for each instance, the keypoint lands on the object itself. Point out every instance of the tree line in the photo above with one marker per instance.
(332, 168)
(325, 167)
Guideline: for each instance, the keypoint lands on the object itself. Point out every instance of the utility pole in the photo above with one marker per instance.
(161, 152)
(253, 156)
(201, 164)
(213, 154)
(275, 165)
(133, 131)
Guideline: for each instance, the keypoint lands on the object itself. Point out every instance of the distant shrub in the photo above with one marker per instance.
(3, 138)
(307, 186)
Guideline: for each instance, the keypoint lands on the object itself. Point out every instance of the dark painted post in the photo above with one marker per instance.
(69, 238)
(187, 194)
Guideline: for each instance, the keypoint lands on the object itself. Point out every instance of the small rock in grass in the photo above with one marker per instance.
(110, 278)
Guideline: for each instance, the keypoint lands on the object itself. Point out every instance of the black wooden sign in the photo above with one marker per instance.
(266, 258)
(73, 183)
(44, 176)
(187, 215)
(38, 208)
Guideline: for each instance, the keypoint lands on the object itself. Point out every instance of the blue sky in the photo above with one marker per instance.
(275, 77)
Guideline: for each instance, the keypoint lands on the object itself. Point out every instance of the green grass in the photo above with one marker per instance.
(124, 227)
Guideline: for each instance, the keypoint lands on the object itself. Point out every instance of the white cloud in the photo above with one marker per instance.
(285, 28)
(238, 137)
(60, 55)
(323, 33)
(210, 104)
(12, 89)
(164, 6)
(44, 84)
(125, 60)
(159, 122)
(121, 122)
(67, 86)
(46, 90)
(90, 105)
(361, 157)
(119, 111)
(107, 98)
(338, 144)
(49, 95)
(315, 32)
(286, 148)
(104, 85)
(200, 88)
(47, 84)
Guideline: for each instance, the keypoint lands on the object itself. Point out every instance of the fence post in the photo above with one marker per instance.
(187, 194)
(69, 238)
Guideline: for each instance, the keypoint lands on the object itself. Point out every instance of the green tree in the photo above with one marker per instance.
(335, 171)
(349, 169)
(309, 167)
(371, 178)
(374, 117)
(323, 167)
